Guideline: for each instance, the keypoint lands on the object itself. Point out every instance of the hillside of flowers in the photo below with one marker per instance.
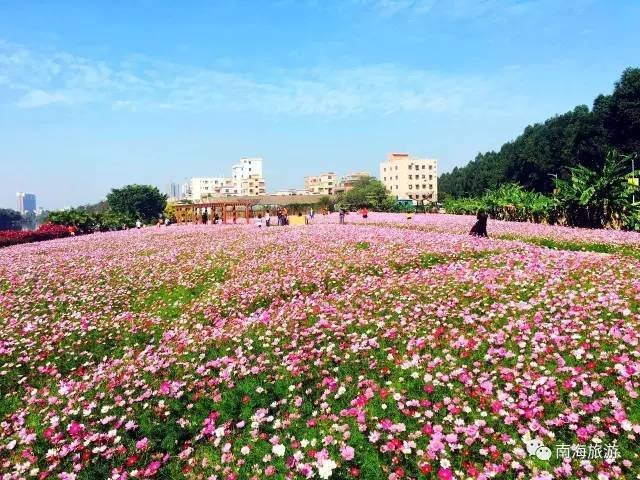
(379, 350)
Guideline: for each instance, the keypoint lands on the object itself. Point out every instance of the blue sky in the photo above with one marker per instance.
(95, 95)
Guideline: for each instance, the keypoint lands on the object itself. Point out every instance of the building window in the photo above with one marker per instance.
(423, 167)
(430, 186)
(409, 177)
(410, 187)
(430, 167)
(424, 187)
(430, 177)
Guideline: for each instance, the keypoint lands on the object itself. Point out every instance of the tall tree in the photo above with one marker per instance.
(137, 201)
(550, 149)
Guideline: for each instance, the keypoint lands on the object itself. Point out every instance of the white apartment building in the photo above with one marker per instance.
(206, 186)
(246, 168)
(323, 184)
(410, 178)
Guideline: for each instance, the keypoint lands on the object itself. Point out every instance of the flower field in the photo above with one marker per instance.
(380, 351)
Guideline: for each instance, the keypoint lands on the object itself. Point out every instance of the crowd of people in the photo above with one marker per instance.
(479, 229)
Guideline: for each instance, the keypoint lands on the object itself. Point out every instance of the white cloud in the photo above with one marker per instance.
(40, 98)
(39, 79)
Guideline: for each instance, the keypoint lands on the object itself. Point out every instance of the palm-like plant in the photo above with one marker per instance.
(597, 199)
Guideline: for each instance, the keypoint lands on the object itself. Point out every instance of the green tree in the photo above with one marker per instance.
(170, 211)
(9, 219)
(367, 192)
(578, 137)
(137, 201)
(85, 221)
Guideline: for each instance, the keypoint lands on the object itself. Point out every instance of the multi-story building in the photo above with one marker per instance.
(173, 191)
(246, 180)
(206, 187)
(26, 202)
(323, 184)
(348, 181)
(292, 192)
(252, 186)
(185, 190)
(245, 169)
(411, 178)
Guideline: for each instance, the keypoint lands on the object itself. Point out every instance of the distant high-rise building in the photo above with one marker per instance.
(26, 202)
(173, 191)
(409, 178)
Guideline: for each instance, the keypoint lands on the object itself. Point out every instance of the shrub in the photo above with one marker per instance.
(47, 231)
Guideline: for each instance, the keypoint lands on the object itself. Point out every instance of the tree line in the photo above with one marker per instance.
(121, 209)
(550, 150)
(588, 198)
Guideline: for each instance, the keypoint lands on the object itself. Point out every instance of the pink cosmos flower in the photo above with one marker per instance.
(142, 444)
(347, 453)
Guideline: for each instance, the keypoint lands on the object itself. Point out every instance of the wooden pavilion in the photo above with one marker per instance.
(225, 209)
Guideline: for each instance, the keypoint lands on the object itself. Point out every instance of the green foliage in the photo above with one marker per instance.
(367, 192)
(137, 201)
(598, 199)
(84, 221)
(579, 137)
(590, 198)
(170, 211)
(9, 219)
(326, 202)
(90, 222)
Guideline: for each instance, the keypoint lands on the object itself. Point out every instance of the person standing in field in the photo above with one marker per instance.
(235, 216)
(259, 220)
(479, 229)
(364, 212)
(267, 219)
(343, 212)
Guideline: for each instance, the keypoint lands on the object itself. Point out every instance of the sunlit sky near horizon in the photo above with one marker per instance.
(95, 95)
